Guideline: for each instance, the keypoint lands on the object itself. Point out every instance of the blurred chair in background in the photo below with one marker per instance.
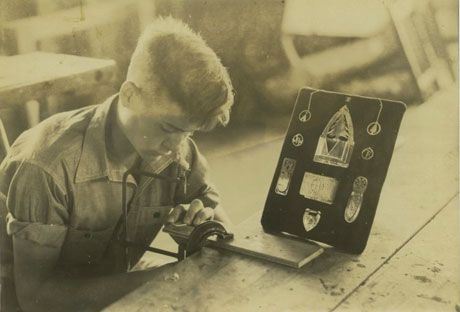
(423, 44)
(362, 54)
(368, 51)
(353, 30)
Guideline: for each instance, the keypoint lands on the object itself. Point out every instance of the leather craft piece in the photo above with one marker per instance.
(284, 179)
(332, 168)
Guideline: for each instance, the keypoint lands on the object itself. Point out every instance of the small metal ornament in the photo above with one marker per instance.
(375, 127)
(284, 179)
(305, 115)
(297, 140)
(356, 199)
(310, 219)
(367, 153)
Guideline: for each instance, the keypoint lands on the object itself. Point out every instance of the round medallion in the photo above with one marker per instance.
(374, 128)
(297, 140)
(304, 115)
(367, 153)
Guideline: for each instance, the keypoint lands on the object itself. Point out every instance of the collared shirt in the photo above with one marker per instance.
(63, 191)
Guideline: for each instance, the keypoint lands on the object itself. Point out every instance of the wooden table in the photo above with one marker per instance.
(37, 75)
(410, 263)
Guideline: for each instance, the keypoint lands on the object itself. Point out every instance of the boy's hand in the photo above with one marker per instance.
(193, 214)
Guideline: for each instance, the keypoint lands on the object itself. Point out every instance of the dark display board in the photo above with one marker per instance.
(332, 168)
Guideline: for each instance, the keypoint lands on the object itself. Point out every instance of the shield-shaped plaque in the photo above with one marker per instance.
(311, 219)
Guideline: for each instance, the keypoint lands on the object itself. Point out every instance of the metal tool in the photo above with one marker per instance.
(191, 239)
(121, 228)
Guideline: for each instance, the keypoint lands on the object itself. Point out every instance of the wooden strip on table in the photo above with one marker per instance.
(252, 241)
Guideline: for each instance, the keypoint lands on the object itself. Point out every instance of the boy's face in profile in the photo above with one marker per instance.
(156, 126)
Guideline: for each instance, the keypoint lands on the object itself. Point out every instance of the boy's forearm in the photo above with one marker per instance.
(86, 294)
(221, 215)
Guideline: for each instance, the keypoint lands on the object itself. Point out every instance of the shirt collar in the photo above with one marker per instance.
(94, 163)
(93, 158)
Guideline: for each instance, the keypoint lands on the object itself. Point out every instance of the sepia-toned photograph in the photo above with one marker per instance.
(229, 155)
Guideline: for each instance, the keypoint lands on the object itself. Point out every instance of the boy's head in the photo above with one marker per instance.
(175, 85)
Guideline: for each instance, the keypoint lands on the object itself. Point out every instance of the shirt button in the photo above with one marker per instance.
(156, 214)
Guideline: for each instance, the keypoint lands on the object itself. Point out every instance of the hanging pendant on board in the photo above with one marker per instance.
(375, 127)
(304, 115)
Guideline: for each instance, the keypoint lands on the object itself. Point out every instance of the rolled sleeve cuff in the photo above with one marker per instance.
(210, 198)
(49, 235)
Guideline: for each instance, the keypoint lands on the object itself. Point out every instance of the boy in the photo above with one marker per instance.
(61, 186)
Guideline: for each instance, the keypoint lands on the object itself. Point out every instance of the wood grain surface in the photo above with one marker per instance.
(423, 276)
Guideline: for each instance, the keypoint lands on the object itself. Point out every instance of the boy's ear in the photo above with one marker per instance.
(130, 96)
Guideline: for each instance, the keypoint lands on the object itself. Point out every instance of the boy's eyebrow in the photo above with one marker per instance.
(177, 128)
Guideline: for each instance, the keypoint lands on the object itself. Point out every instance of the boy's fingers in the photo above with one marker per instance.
(176, 213)
(195, 206)
(204, 215)
(195, 213)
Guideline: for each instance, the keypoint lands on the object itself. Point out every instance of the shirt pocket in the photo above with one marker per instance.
(85, 246)
(150, 220)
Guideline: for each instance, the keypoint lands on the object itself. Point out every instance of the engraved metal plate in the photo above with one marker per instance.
(318, 187)
(310, 219)
(355, 200)
(284, 179)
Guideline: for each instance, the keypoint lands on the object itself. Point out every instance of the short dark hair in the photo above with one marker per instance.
(181, 63)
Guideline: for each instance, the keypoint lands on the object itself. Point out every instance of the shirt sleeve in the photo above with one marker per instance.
(36, 206)
(198, 182)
